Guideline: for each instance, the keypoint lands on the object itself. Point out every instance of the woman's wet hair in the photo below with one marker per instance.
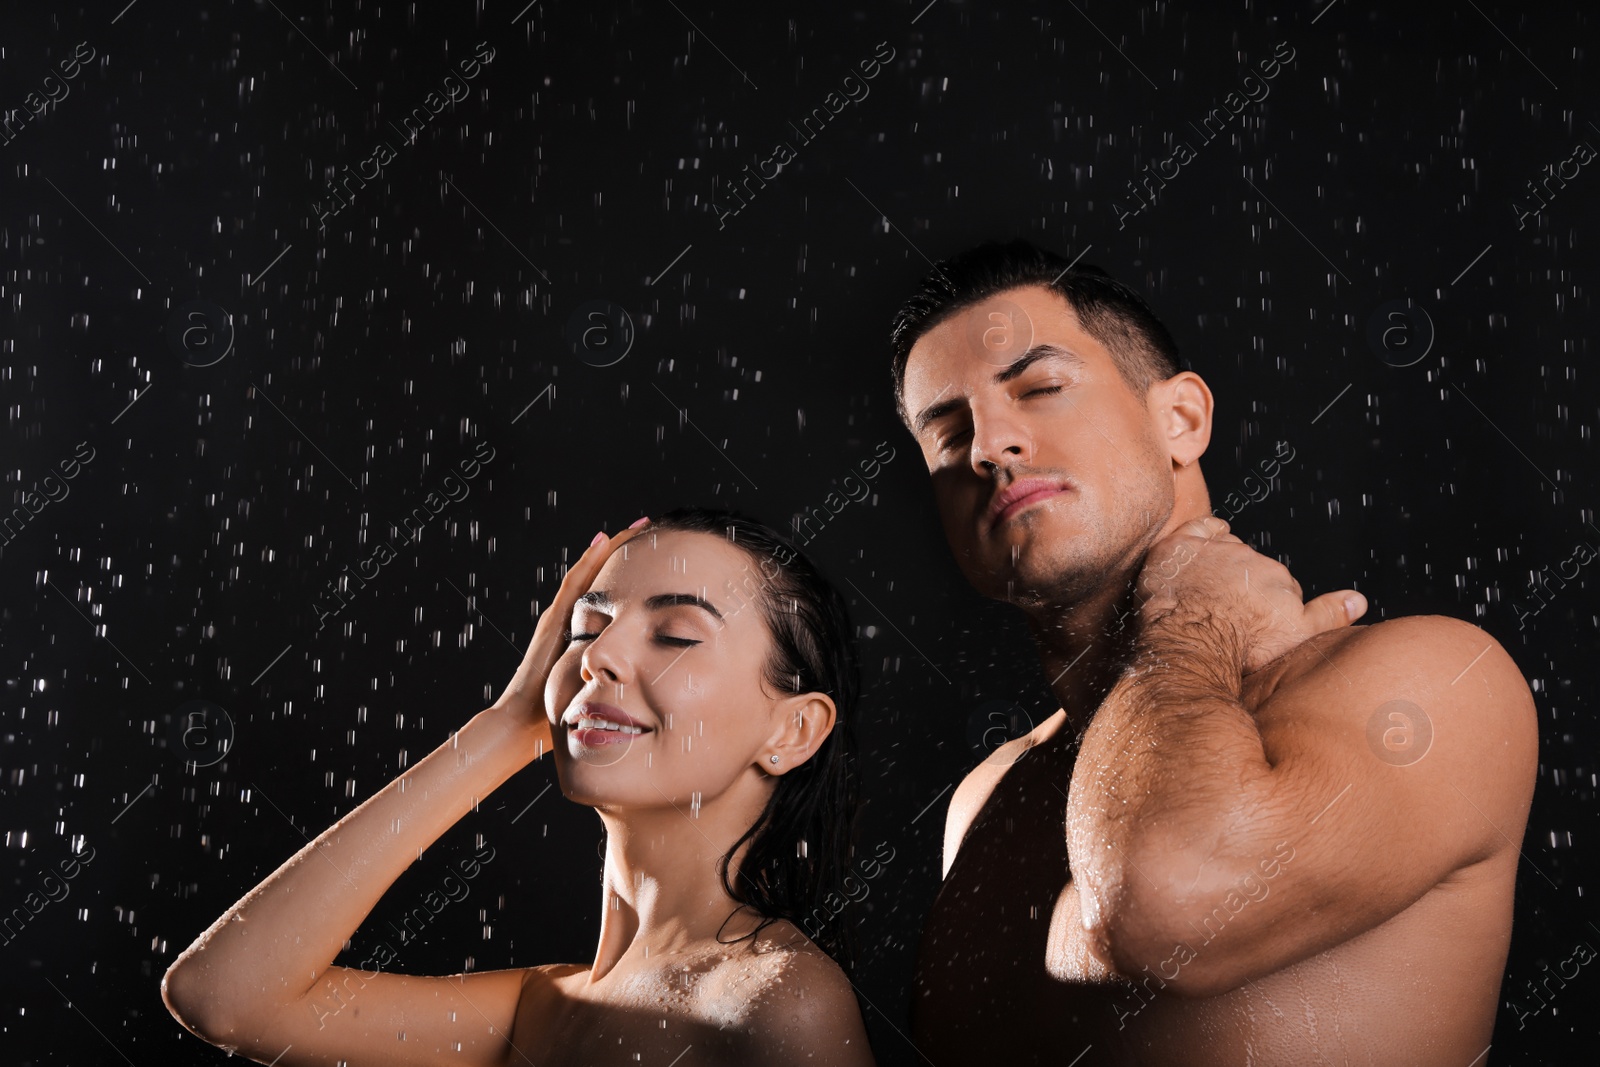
(799, 848)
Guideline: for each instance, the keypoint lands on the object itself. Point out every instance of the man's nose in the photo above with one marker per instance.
(999, 439)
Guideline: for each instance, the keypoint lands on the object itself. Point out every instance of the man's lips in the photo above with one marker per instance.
(1019, 495)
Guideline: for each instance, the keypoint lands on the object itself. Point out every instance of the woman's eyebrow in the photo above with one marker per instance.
(673, 600)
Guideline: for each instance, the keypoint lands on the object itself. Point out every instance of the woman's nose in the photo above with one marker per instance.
(602, 659)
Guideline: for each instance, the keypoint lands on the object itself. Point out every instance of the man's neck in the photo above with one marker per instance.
(1084, 647)
(1085, 644)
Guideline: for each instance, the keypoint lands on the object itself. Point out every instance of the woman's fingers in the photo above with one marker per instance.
(547, 645)
(527, 685)
(582, 573)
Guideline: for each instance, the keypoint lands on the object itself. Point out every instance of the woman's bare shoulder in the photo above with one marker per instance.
(796, 1003)
(780, 968)
(541, 986)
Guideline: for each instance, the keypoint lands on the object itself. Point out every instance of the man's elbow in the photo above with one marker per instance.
(1168, 963)
(1165, 944)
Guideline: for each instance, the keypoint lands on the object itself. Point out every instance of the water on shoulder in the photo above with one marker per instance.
(705, 1004)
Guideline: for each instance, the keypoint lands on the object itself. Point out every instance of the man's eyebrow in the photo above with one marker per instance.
(932, 412)
(1034, 355)
(596, 599)
(1017, 367)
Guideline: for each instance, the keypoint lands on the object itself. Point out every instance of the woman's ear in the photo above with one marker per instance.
(803, 722)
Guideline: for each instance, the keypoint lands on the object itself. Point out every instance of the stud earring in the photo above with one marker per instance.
(773, 758)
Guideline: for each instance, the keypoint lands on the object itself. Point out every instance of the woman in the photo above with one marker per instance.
(700, 703)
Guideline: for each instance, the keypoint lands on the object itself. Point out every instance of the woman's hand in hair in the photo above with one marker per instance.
(262, 981)
(523, 698)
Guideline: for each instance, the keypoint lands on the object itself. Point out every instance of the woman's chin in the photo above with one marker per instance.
(590, 790)
(601, 776)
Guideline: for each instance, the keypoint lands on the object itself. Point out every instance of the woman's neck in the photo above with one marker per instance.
(662, 884)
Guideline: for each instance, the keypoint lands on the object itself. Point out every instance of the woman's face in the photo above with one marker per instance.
(659, 697)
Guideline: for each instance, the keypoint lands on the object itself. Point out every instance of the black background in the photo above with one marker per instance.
(435, 312)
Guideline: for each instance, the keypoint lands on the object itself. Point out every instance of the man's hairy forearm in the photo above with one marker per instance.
(1165, 789)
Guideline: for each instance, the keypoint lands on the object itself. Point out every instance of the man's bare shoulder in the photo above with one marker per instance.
(1407, 652)
(979, 784)
(1432, 694)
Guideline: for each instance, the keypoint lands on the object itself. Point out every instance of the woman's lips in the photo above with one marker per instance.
(596, 738)
(594, 725)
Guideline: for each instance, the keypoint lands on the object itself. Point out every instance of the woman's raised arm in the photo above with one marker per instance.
(260, 980)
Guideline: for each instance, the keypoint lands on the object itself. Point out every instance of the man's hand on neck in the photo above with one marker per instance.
(1237, 604)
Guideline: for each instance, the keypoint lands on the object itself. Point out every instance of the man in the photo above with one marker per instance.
(1254, 833)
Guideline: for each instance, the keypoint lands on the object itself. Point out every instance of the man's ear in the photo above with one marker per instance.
(802, 723)
(1182, 406)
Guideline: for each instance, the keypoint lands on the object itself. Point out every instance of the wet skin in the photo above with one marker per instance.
(1209, 857)
(1004, 963)
(681, 972)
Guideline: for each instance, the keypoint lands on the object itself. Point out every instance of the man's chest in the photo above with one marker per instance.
(1002, 968)
(989, 924)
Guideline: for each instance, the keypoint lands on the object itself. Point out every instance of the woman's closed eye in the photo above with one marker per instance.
(666, 639)
(677, 642)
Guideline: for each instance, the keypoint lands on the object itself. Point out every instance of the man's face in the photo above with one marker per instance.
(1051, 476)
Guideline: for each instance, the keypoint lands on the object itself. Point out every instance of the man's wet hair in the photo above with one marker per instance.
(1109, 311)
